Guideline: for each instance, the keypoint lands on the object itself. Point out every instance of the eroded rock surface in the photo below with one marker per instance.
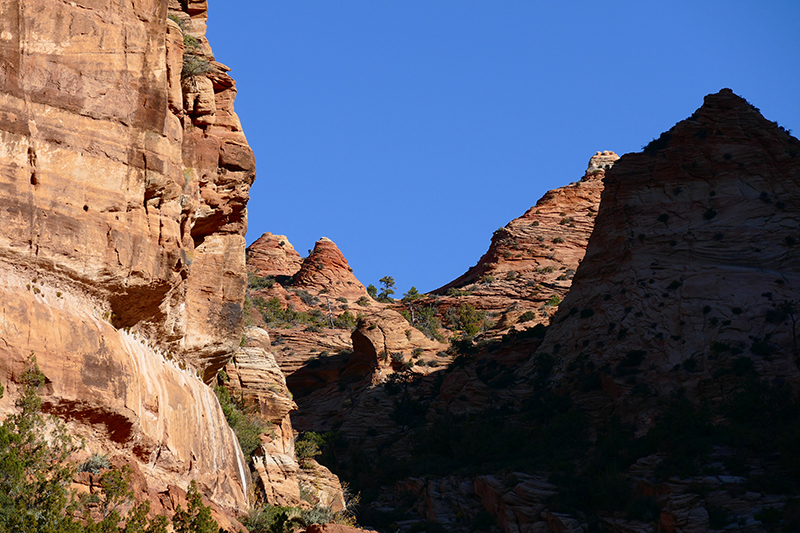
(123, 191)
(531, 261)
(273, 255)
(693, 262)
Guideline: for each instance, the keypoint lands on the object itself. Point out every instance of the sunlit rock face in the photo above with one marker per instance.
(123, 192)
(531, 261)
(691, 274)
(273, 255)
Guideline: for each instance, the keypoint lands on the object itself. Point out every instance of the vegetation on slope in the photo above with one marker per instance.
(36, 473)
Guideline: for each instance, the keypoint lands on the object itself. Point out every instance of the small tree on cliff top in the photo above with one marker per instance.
(388, 289)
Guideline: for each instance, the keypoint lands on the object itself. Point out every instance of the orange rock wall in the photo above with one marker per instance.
(123, 206)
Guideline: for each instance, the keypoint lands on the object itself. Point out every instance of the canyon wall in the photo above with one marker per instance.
(124, 179)
(691, 274)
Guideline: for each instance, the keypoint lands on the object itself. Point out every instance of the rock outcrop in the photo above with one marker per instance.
(529, 266)
(256, 380)
(123, 184)
(273, 255)
(692, 268)
(313, 316)
(325, 271)
(661, 396)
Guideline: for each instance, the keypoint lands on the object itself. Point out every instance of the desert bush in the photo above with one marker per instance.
(411, 295)
(346, 320)
(424, 319)
(35, 492)
(256, 283)
(467, 319)
(306, 298)
(194, 66)
(452, 291)
(246, 424)
(95, 464)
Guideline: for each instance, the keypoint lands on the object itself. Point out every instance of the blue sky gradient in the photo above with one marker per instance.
(407, 132)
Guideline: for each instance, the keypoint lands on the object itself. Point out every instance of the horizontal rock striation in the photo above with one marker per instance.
(273, 255)
(123, 188)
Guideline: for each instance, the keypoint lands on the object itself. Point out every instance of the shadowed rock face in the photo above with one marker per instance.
(693, 262)
(122, 198)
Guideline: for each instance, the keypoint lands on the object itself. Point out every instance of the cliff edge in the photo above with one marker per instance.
(124, 178)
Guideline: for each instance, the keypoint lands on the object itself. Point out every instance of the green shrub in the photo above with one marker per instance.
(411, 295)
(310, 445)
(306, 298)
(194, 66)
(95, 464)
(467, 319)
(387, 290)
(346, 320)
(247, 426)
(35, 492)
(256, 283)
(452, 291)
(372, 291)
(633, 358)
(197, 517)
(424, 319)
(190, 42)
(177, 20)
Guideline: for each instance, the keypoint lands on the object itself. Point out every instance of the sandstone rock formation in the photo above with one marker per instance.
(122, 195)
(273, 255)
(314, 348)
(530, 263)
(693, 261)
(637, 406)
(601, 161)
(386, 340)
(255, 378)
(326, 271)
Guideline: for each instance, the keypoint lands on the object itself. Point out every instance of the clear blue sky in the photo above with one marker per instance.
(408, 131)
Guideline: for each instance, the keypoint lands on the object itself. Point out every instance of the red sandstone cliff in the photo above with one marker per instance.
(530, 262)
(123, 187)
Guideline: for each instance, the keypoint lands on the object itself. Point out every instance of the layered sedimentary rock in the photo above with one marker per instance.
(255, 379)
(550, 238)
(530, 262)
(273, 255)
(326, 271)
(692, 267)
(123, 186)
